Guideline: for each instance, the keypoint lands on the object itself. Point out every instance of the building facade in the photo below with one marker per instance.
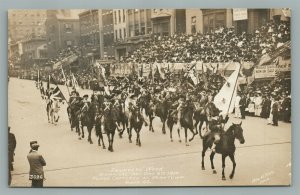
(90, 22)
(22, 23)
(107, 30)
(62, 30)
(34, 52)
(243, 20)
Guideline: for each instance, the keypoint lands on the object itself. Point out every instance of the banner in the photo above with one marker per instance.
(224, 100)
(240, 14)
(270, 70)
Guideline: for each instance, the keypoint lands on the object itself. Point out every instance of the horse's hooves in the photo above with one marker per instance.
(187, 144)
(223, 178)
(79, 138)
(91, 142)
(104, 147)
(214, 172)
(164, 132)
(203, 168)
(191, 139)
(171, 140)
(130, 141)
(99, 144)
(140, 145)
(230, 176)
(179, 140)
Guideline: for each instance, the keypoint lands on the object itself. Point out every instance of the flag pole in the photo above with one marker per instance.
(65, 80)
(234, 88)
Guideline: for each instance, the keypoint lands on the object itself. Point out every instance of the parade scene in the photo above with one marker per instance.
(149, 97)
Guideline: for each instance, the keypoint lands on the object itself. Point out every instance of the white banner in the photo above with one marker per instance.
(224, 100)
(240, 14)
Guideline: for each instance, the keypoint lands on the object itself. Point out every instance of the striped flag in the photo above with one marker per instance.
(56, 93)
(226, 96)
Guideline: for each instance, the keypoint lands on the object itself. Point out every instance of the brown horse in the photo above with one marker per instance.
(225, 147)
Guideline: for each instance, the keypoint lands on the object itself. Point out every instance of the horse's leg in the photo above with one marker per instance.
(151, 122)
(137, 136)
(130, 134)
(164, 127)
(90, 132)
(171, 129)
(112, 141)
(212, 162)
(203, 154)
(192, 130)
(178, 131)
(101, 137)
(223, 166)
(231, 156)
(196, 125)
(82, 131)
(78, 131)
(200, 129)
(108, 137)
(185, 134)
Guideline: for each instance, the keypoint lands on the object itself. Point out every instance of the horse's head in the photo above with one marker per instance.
(238, 132)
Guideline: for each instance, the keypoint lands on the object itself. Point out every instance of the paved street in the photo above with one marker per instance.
(264, 159)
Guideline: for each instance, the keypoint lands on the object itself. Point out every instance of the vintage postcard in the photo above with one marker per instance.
(149, 97)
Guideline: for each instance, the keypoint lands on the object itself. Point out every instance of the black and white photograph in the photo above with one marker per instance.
(149, 97)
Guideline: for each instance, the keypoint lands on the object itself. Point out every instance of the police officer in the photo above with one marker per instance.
(36, 162)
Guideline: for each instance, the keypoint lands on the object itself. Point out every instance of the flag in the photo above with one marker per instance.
(269, 57)
(57, 93)
(64, 76)
(74, 82)
(101, 72)
(160, 71)
(224, 100)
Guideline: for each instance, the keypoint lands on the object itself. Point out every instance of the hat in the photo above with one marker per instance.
(35, 146)
(33, 142)
(85, 96)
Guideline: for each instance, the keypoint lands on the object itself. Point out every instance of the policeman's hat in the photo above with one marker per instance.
(85, 96)
(35, 146)
(33, 142)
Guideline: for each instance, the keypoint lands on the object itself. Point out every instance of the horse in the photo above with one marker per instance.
(225, 147)
(52, 108)
(110, 123)
(122, 118)
(99, 121)
(171, 120)
(73, 111)
(136, 123)
(161, 111)
(204, 114)
(147, 105)
(186, 121)
(87, 120)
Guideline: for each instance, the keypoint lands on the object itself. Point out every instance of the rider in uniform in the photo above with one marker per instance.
(86, 103)
(215, 122)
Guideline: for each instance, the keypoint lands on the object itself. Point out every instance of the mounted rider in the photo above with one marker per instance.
(216, 121)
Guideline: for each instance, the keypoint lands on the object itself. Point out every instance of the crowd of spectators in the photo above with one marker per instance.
(222, 45)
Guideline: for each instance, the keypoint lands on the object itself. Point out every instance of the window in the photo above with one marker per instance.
(68, 28)
(213, 20)
(193, 25)
(116, 34)
(68, 43)
(120, 33)
(124, 33)
(119, 12)
(123, 15)
(115, 15)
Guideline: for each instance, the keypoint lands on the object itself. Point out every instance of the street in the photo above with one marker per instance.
(264, 159)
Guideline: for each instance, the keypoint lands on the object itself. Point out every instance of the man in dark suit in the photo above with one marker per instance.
(243, 103)
(12, 143)
(275, 109)
(36, 162)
